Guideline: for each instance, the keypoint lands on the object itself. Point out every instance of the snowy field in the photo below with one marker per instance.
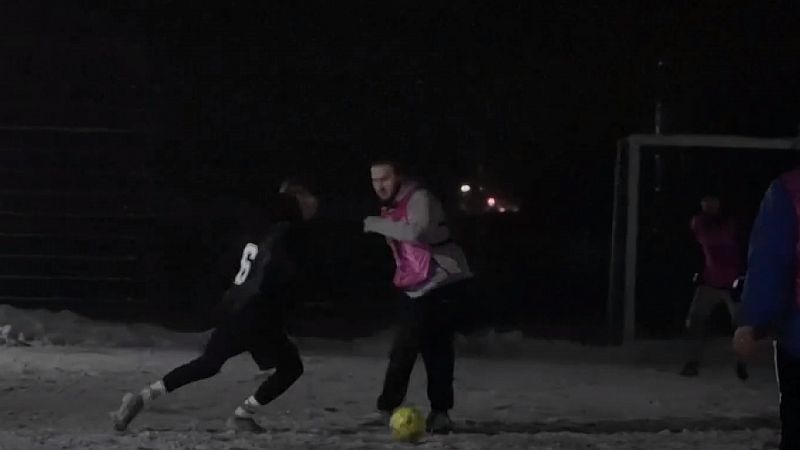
(511, 393)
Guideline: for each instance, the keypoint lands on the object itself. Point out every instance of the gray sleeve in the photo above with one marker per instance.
(418, 220)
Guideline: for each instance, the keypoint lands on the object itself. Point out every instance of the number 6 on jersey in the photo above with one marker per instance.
(248, 256)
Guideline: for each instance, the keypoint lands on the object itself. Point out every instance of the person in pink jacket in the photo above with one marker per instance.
(722, 243)
(431, 275)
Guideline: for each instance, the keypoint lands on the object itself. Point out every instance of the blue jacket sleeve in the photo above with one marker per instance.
(769, 286)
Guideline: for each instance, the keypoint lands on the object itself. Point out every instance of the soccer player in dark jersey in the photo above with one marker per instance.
(256, 268)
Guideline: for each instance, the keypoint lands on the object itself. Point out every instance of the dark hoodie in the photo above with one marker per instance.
(250, 255)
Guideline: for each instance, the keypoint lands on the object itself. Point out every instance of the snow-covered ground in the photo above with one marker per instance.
(511, 393)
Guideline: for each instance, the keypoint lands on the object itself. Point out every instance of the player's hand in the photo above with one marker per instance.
(369, 224)
(744, 342)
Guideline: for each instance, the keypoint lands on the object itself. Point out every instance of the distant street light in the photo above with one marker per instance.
(491, 201)
(465, 188)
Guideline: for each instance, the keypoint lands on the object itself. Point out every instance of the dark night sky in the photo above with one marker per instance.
(539, 91)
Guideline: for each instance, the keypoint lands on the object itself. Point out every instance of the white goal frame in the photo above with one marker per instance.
(621, 299)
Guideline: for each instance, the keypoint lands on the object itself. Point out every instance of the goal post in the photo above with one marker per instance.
(621, 307)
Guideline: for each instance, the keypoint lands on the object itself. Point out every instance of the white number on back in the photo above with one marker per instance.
(248, 256)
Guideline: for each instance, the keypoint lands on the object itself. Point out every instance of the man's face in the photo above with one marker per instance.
(385, 181)
(309, 204)
(710, 205)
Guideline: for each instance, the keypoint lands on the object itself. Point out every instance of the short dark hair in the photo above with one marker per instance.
(398, 168)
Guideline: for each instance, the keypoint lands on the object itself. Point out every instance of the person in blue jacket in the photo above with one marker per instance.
(771, 297)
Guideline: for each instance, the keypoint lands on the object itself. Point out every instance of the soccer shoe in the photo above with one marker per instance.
(741, 371)
(246, 424)
(132, 405)
(690, 369)
(438, 422)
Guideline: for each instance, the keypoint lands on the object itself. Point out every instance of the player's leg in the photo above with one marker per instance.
(222, 346)
(288, 369)
(438, 353)
(405, 348)
(703, 304)
(282, 354)
(733, 311)
(787, 367)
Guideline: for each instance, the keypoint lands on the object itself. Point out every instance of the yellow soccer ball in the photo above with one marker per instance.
(407, 424)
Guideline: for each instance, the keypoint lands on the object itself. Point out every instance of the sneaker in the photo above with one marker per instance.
(690, 369)
(438, 422)
(132, 405)
(245, 424)
(741, 371)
